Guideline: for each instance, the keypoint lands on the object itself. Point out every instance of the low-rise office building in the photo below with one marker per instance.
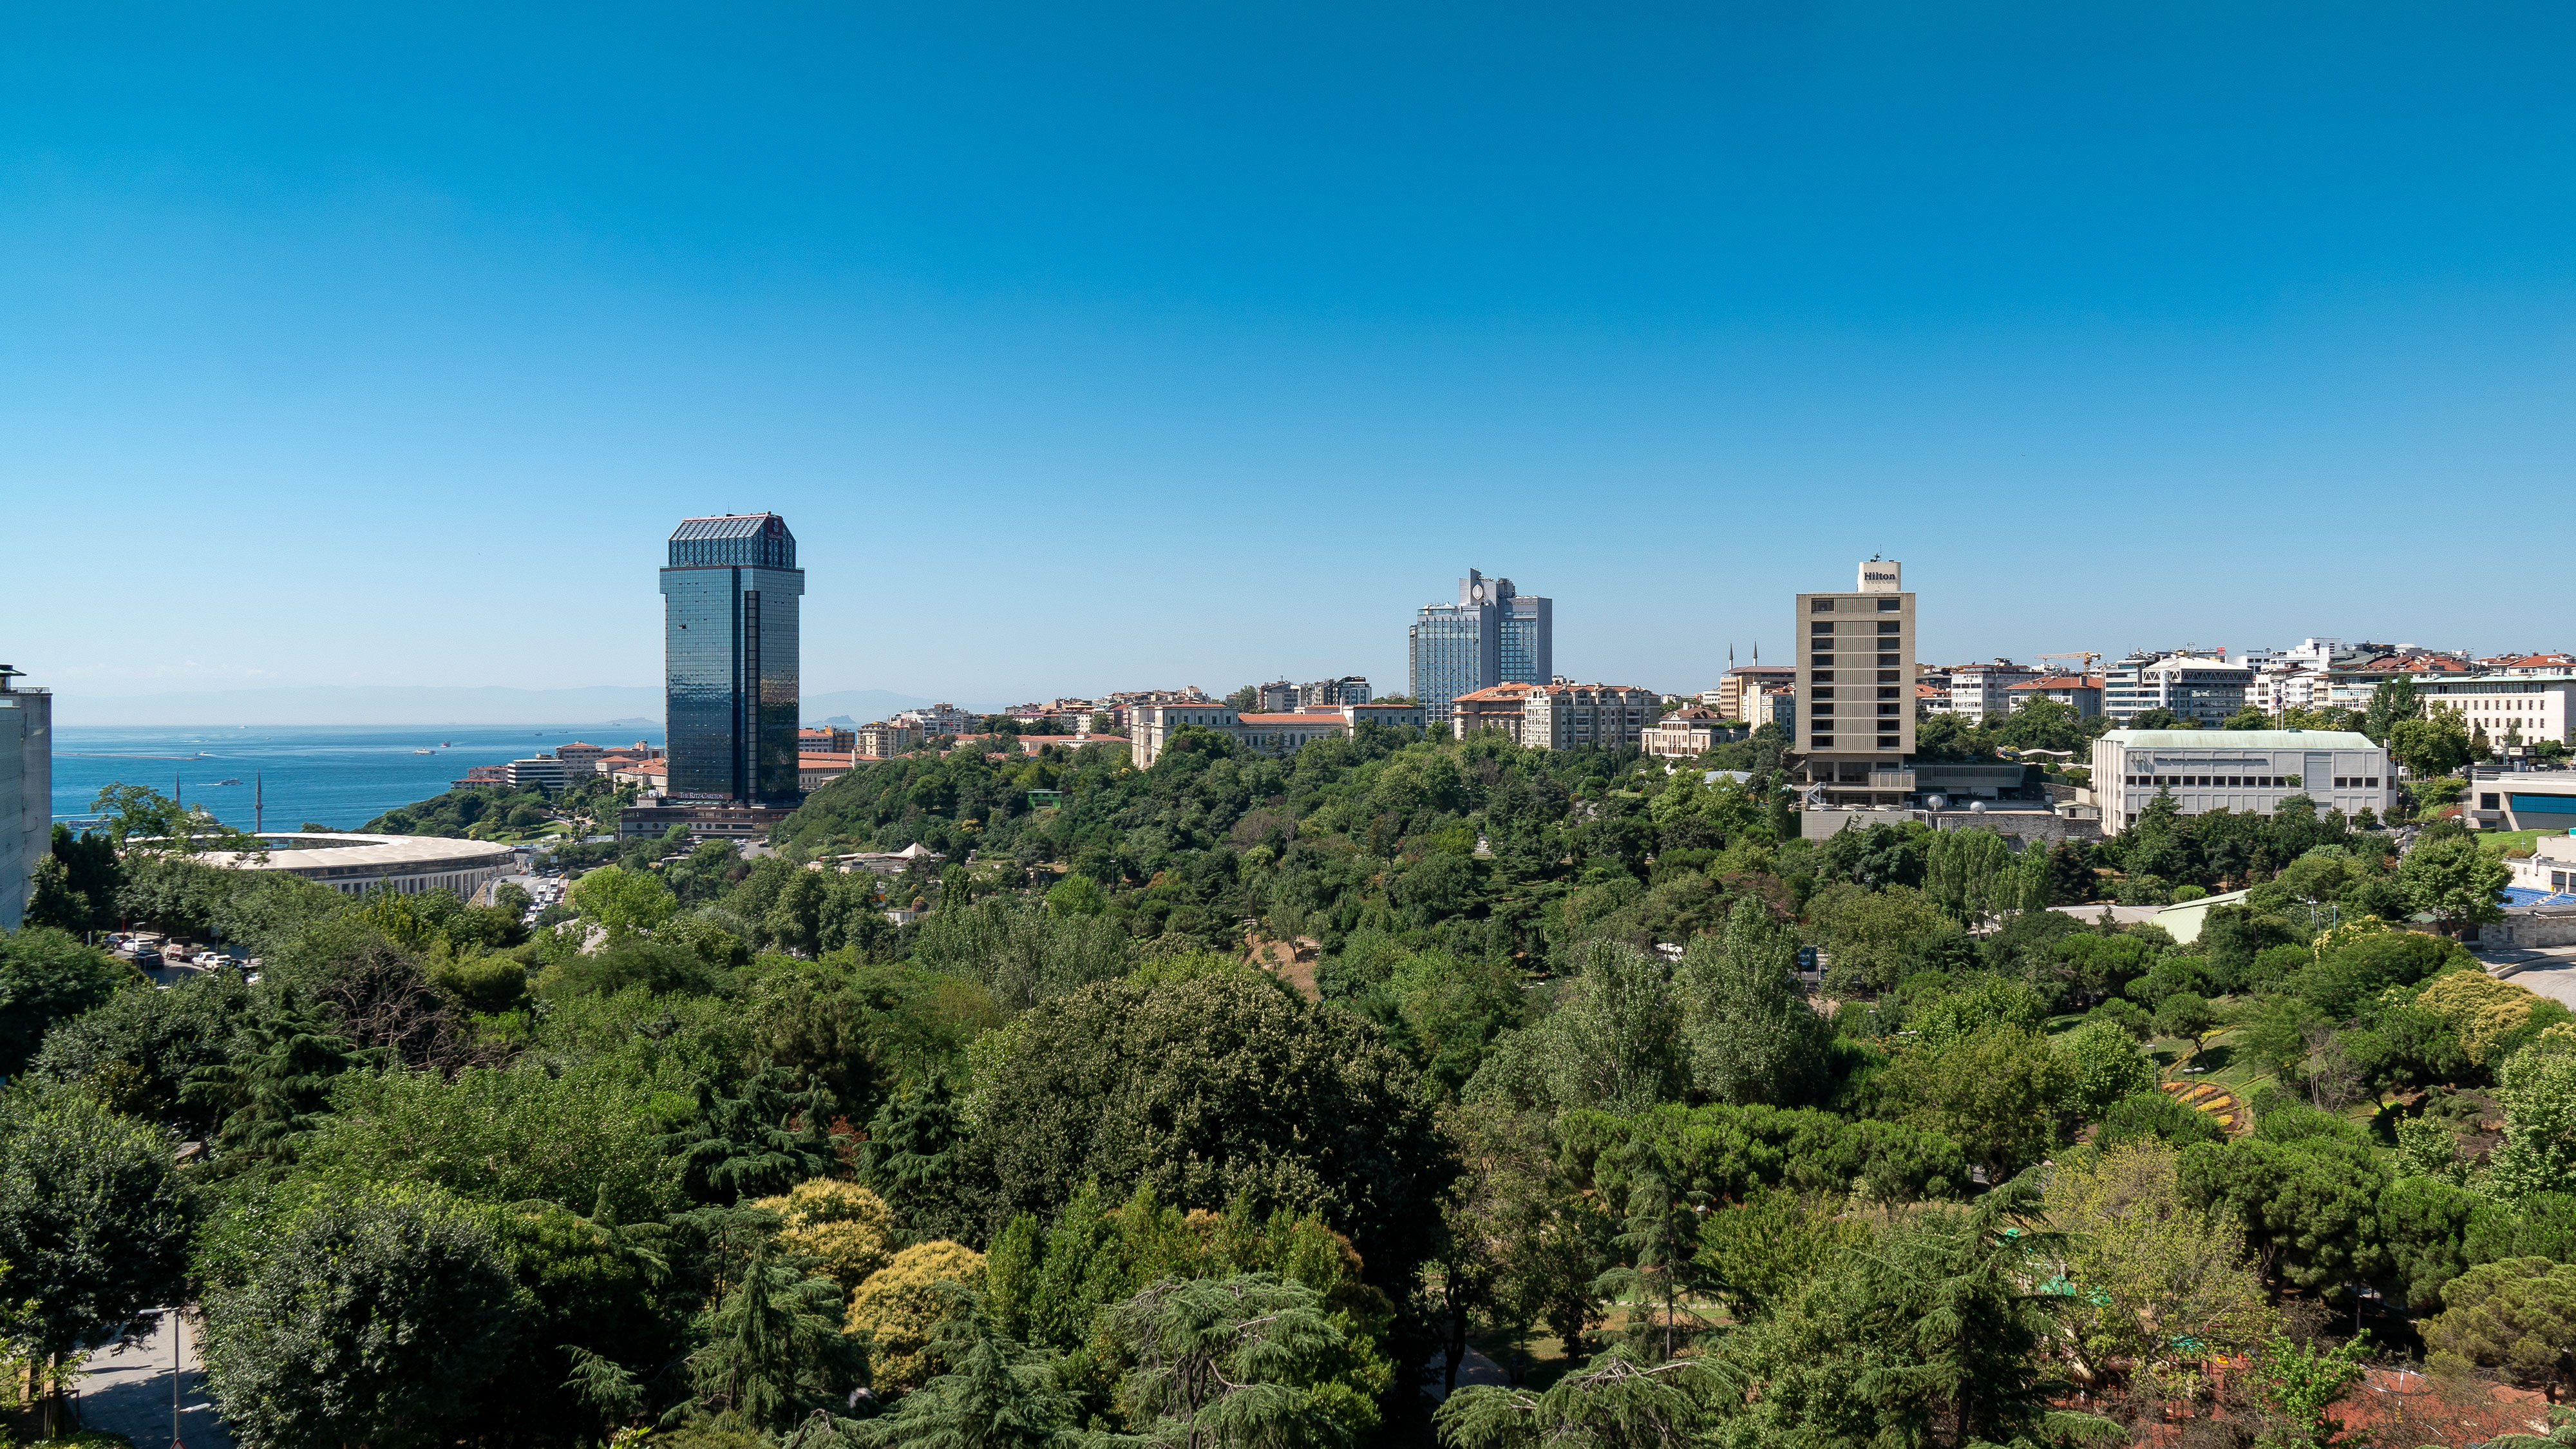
(2239, 770)
(2516, 797)
(2511, 708)
(355, 864)
(540, 772)
(826, 740)
(653, 816)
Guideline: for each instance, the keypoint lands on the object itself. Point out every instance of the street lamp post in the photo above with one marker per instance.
(177, 1327)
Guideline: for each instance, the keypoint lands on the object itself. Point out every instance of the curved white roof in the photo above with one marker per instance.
(315, 852)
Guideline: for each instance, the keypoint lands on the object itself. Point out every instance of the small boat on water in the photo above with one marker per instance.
(228, 782)
(424, 752)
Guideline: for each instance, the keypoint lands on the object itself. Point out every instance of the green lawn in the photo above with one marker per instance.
(2497, 842)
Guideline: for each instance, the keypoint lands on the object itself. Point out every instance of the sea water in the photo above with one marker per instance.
(337, 775)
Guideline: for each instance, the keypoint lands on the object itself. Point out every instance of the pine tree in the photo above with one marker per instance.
(775, 1350)
(760, 1142)
(997, 1394)
(1660, 1238)
(909, 1159)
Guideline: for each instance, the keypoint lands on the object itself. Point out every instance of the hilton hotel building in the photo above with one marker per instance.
(1855, 722)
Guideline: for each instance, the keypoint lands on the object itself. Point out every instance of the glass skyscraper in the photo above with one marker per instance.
(1492, 635)
(729, 650)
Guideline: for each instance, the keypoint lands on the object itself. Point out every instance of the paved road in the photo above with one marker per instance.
(126, 1390)
(2548, 970)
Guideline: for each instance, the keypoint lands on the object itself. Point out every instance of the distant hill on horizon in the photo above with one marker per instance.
(425, 704)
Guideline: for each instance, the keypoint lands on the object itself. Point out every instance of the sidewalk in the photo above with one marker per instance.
(126, 1390)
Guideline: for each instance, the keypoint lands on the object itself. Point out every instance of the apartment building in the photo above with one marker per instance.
(824, 740)
(940, 719)
(1979, 692)
(2081, 693)
(1559, 716)
(2280, 685)
(1739, 692)
(1855, 701)
(885, 739)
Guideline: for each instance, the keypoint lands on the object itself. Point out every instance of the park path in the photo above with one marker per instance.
(125, 1389)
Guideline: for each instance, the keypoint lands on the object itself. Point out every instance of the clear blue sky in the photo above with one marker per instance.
(1089, 347)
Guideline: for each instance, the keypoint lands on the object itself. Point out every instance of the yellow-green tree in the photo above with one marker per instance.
(2155, 1279)
(848, 1227)
(901, 1307)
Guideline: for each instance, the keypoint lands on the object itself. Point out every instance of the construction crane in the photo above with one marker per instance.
(2087, 655)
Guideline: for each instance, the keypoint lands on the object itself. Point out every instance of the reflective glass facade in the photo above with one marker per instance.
(730, 621)
(1448, 649)
(1525, 649)
(1491, 636)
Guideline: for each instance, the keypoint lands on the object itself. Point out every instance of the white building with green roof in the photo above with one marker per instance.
(2246, 771)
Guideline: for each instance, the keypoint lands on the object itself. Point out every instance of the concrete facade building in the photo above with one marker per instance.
(2506, 797)
(2239, 770)
(1492, 635)
(1854, 725)
(730, 646)
(824, 740)
(26, 791)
